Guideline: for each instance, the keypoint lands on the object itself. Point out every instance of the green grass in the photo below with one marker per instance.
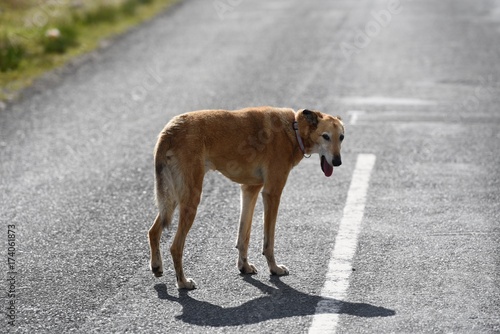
(11, 54)
(38, 36)
(59, 39)
(129, 7)
(102, 13)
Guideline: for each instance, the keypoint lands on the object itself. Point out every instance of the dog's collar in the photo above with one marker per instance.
(295, 126)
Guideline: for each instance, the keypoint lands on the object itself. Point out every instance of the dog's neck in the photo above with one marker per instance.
(295, 126)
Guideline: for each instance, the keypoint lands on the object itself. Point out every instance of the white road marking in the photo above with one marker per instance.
(335, 288)
(354, 116)
(382, 100)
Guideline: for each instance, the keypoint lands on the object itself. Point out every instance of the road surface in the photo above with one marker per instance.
(411, 233)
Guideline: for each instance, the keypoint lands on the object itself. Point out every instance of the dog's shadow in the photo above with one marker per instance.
(280, 301)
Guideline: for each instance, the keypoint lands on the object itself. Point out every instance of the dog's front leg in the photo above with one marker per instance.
(271, 199)
(249, 195)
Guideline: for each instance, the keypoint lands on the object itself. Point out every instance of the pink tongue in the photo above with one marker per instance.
(326, 167)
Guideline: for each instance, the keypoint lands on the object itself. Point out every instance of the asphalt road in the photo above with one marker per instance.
(417, 84)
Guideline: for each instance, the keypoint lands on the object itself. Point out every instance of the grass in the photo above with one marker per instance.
(59, 39)
(102, 13)
(38, 36)
(11, 54)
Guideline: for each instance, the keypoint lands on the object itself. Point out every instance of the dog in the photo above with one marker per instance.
(255, 147)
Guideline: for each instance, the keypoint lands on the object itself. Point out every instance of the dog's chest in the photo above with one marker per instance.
(236, 171)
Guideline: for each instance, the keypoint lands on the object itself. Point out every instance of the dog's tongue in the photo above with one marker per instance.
(326, 167)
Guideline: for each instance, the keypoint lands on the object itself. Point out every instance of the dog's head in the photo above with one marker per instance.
(322, 134)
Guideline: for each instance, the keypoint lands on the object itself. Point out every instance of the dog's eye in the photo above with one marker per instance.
(341, 137)
(326, 137)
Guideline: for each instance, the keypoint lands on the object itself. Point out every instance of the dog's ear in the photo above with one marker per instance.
(311, 117)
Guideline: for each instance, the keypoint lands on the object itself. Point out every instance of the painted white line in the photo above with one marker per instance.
(355, 115)
(336, 284)
(383, 100)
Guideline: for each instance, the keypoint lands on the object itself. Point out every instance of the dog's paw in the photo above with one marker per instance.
(247, 269)
(279, 270)
(188, 284)
(157, 271)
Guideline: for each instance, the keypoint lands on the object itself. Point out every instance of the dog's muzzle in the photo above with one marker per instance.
(337, 161)
(327, 167)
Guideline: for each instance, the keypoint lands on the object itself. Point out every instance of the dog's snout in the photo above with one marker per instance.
(337, 161)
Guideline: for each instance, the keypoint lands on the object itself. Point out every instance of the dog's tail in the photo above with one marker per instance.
(165, 182)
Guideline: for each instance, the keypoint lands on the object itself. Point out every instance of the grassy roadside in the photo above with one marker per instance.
(37, 36)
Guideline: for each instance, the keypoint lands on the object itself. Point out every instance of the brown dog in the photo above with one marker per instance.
(256, 147)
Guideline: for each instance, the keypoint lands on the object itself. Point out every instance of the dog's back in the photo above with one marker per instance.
(233, 142)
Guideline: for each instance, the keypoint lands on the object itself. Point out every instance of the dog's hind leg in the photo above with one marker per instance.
(187, 212)
(163, 219)
(166, 202)
(154, 236)
(249, 195)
